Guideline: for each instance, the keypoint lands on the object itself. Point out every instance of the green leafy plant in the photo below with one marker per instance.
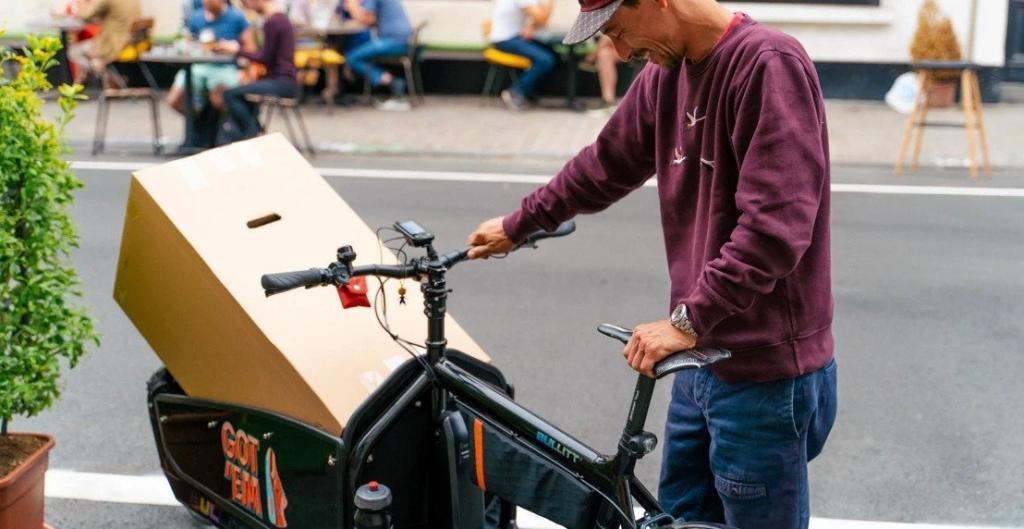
(38, 325)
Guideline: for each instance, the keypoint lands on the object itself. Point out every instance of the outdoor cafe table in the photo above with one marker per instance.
(186, 60)
(63, 25)
(335, 28)
(553, 39)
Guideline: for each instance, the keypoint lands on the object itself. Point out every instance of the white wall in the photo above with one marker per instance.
(830, 33)
(16, 16)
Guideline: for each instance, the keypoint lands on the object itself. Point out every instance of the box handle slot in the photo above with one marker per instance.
(263, 221)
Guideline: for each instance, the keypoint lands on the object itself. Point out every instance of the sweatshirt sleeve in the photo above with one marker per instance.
(779, 138)
(271, 41)
(619, 161)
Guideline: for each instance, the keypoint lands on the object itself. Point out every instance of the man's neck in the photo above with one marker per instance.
(705, 23)
(269, 9)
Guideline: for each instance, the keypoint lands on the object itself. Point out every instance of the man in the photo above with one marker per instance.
(731, 119)
(115, 19)
(513, 24)
(222, 22)
(393, 32)
(278, 57)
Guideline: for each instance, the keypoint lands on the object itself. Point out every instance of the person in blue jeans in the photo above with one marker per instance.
(392, 39)
(278, 57)
(513, 23)
(729, 115)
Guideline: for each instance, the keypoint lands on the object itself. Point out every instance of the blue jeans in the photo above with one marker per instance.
(360, 59)
(737, 453)
(243, 113)
(542, 61)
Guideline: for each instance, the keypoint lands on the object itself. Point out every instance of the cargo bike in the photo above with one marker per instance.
(440, 444)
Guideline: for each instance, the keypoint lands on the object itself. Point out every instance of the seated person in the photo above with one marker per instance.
(313, 54)
(223, 22)
(188, 7)
(277, 56)
(115, 19)
(513, 24)
(393, 32)
(605, 61)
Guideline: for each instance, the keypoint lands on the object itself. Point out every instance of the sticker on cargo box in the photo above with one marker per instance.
(394, 362)
(249, 153)
(371, 380)
(222, 160)
(242, 472)
(190, 173)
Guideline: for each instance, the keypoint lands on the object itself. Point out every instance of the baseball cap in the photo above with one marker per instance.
(594, 14)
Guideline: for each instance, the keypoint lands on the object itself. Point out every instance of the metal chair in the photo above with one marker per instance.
(410, 63)
(283, 105)
(501, 62)
(115, 87)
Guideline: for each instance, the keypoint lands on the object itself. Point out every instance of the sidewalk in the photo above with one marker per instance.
(861, 132)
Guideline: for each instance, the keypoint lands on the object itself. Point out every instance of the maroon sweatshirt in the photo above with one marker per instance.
(278, 51)
(740, 148)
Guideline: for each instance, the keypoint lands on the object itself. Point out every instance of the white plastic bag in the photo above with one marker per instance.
(903, 94)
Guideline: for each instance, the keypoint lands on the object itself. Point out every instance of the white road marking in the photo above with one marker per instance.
(114, 488)
(154, 490)
(506, 178)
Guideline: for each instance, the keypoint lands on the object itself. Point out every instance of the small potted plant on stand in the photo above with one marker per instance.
(935, 40)
(38, 327)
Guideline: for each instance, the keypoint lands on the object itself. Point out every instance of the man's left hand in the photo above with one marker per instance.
(653, 342)
(229, 47)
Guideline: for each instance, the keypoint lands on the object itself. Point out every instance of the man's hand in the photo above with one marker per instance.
(229, 47)
(653, 342)
(489, 239)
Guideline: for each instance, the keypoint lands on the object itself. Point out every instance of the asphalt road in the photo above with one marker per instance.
(929, 321)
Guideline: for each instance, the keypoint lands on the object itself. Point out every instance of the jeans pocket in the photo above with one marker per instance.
(738, 490)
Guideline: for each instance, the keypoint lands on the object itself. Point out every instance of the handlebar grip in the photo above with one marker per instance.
(285, 281)
(562, 230)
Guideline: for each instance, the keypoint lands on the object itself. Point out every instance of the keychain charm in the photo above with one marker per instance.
(401, 294)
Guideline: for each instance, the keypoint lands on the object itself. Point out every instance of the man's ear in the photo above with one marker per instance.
(662, 3)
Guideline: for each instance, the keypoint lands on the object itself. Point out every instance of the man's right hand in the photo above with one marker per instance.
(489, 239)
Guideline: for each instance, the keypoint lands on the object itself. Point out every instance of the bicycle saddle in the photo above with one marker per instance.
(695, 358)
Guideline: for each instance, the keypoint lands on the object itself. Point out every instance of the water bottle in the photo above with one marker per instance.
(372, 501)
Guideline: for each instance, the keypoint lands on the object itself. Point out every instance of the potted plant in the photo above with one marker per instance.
(935, 40)
(38, 326)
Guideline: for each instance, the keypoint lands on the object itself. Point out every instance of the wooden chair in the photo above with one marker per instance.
(974, 119)
(500, 64)
(115, 87)
(310, 60)
(410, 64)
(283, 106)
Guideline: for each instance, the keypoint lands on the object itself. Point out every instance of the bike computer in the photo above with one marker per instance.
(415, 234)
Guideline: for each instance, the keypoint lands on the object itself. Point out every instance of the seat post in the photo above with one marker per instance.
(639, 407)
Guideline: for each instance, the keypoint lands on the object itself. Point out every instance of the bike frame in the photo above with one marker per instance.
(612, 477)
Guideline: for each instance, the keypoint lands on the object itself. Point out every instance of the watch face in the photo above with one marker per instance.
(677, 314)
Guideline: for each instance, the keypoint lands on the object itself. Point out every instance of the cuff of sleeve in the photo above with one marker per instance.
(705, 309)
(518, 226)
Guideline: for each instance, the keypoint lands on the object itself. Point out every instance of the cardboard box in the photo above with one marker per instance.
(196, 241)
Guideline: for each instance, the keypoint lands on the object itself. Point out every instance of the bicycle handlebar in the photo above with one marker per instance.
(285, 281)
(339, 273)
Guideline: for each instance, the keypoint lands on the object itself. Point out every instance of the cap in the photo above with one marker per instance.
(594, 14)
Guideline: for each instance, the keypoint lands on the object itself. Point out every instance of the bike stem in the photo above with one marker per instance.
(435, 306)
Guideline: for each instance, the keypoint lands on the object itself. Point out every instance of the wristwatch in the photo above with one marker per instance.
(681, 320)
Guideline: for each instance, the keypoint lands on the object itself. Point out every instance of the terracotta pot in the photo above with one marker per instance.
(21, 492)
(942, 94)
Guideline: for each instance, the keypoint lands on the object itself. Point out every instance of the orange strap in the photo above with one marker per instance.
(478, 445)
